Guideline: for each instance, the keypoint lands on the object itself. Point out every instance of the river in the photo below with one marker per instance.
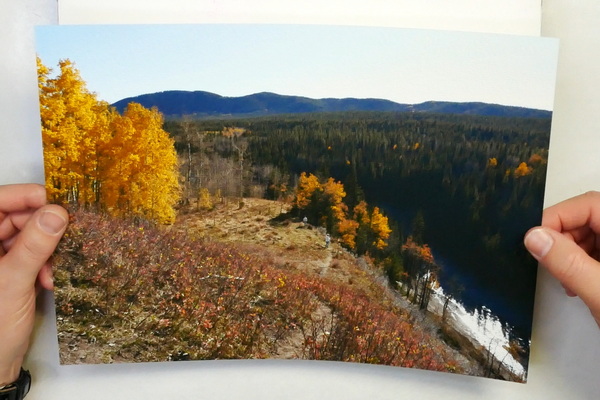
(482, 328)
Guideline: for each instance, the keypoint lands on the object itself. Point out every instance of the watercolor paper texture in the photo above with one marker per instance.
(296, 192)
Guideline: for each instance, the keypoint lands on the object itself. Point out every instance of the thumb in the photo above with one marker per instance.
(568, 262)
(34, 245)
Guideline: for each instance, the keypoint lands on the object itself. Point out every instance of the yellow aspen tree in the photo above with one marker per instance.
(373, 228)
(68, 115)
(51, 112)
(361, 213)
(143, 177)
(347, 231)
(307, 186)
(204, 200)
(522, 170)
(492, 162)
(126, 165)
(119, 167)
(381, 228)
(99, 159)
(334, 193)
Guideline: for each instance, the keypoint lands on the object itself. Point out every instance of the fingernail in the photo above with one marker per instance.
(538, 242)
(51, 222)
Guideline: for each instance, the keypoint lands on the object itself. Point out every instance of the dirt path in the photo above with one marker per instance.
(326, 263)
(291, 244)
(296, 246)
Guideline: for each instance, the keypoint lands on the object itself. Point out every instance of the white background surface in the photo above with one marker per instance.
(515, 16)
(565, 362)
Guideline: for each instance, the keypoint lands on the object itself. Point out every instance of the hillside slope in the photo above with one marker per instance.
(300, 247)
(231, 283)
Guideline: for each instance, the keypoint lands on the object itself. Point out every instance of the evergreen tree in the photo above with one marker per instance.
(418, 228)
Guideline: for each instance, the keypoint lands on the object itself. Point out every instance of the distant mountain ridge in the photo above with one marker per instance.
(176, 103)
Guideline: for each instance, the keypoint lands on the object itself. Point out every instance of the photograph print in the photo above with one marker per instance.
(306, 192)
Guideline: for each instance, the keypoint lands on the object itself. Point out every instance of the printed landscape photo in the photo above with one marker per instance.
(296, 192)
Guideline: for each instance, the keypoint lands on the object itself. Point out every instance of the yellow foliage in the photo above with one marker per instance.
(361, 213)
(416, 146)
(145, 153)
(204, 200)
(334, 193)
(125, 164)
(307, 185)
(492, 162)
(347, 230)
(522, 170)
(231, 131)
(380, 227)
(68, 111)
(329, 198)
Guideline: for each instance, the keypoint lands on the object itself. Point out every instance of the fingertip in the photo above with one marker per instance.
(538, 242)
(38, 194)
(53, 220)
(45, 277)
(33, 247)
(21, 197)
(574, 268)
(34, 195)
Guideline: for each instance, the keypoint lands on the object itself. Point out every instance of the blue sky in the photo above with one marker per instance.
(407, 66)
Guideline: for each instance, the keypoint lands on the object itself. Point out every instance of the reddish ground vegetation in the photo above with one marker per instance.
(132, 292)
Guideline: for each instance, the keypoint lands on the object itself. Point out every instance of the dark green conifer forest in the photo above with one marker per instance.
(468, 186)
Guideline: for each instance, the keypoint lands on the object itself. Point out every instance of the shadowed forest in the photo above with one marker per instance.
(467, 186)
(205, 238)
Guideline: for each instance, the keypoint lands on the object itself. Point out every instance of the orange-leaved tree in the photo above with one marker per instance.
(421, 271)
(522, 170)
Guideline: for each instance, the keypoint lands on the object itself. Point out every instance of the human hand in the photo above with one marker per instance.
(568, 245)
(29, 233)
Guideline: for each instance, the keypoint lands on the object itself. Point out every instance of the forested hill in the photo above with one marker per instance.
(205, 104)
